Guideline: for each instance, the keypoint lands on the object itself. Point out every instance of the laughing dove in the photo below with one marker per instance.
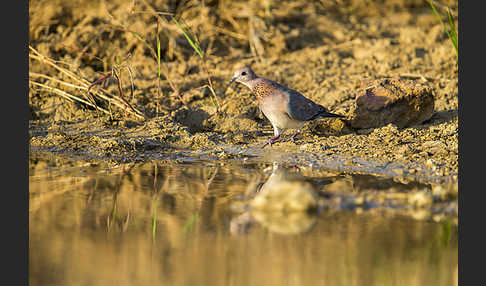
(284, 107)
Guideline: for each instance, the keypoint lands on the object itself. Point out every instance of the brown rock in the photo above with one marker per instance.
(397, 101)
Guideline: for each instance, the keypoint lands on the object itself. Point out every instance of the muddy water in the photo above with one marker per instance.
(162, 223)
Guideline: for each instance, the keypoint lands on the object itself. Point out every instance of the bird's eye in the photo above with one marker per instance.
(243, 73)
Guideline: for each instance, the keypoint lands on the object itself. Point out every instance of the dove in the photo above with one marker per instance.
(285, 108)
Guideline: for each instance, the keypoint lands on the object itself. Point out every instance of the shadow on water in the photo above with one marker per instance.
(210, 224)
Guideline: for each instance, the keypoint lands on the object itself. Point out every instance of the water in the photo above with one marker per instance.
(161, 223)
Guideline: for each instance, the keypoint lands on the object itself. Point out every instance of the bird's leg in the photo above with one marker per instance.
(272, 140)
(295, 135)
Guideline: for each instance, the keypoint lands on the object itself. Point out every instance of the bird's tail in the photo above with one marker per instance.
(329, 114)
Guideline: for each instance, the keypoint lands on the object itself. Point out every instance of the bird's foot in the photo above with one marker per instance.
(295, 135)
(271, 141)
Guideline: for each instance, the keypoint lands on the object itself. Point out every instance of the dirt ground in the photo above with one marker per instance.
(323, 49)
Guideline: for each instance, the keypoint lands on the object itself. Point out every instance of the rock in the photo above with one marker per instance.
(285, 192)
(400, 102)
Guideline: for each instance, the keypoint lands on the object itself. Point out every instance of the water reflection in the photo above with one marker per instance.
(285, 203)
(174, 224)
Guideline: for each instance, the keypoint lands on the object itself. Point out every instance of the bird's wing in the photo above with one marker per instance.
(301, 108)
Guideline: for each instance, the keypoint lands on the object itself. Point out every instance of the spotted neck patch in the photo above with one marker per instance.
(263, 88)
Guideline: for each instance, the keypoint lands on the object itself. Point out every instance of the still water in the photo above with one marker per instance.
(160, 223)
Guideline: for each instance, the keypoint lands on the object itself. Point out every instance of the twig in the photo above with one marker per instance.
(68, 96)
(118, 78)
(34, 74)
(230, 33)
(152, 12)
(211, 84)
(115, 100)
(89, 97)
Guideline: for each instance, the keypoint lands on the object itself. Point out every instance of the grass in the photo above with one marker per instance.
(450, 29)
(83, 85)
(189, 223)
(194, 44)
(158, 67)
(171, 43)
(156, 54)
(116, 72)
(101, 100)
(154, 217)
(197, 48)
(155, 202)
(191, 39)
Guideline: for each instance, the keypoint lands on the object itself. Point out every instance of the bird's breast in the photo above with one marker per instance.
(275, 109)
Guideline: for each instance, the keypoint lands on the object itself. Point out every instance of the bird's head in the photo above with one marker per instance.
(243, 75)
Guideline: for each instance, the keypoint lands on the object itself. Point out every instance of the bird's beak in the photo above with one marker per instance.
(232, 80)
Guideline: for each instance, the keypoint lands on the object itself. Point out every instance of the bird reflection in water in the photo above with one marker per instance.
(286, 203)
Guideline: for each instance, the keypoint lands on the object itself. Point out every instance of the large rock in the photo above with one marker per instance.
(398, 101)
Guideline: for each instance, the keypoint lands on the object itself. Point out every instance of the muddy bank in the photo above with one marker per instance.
(427, 154)
(322, 50)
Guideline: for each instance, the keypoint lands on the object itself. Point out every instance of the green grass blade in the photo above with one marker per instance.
(154, 224)
(452, 26)
(189, 224)
(437, 14)
(452, 33)
(141, 39)
(154, 218)
(191, 42)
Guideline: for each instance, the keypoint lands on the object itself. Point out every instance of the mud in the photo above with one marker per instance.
(324, 50)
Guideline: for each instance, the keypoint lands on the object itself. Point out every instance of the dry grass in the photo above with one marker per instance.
(174, 49)
(83, 84)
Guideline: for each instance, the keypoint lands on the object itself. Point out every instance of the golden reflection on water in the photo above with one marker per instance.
(173, 224)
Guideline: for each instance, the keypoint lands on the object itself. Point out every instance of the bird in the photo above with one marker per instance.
(285, 108)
